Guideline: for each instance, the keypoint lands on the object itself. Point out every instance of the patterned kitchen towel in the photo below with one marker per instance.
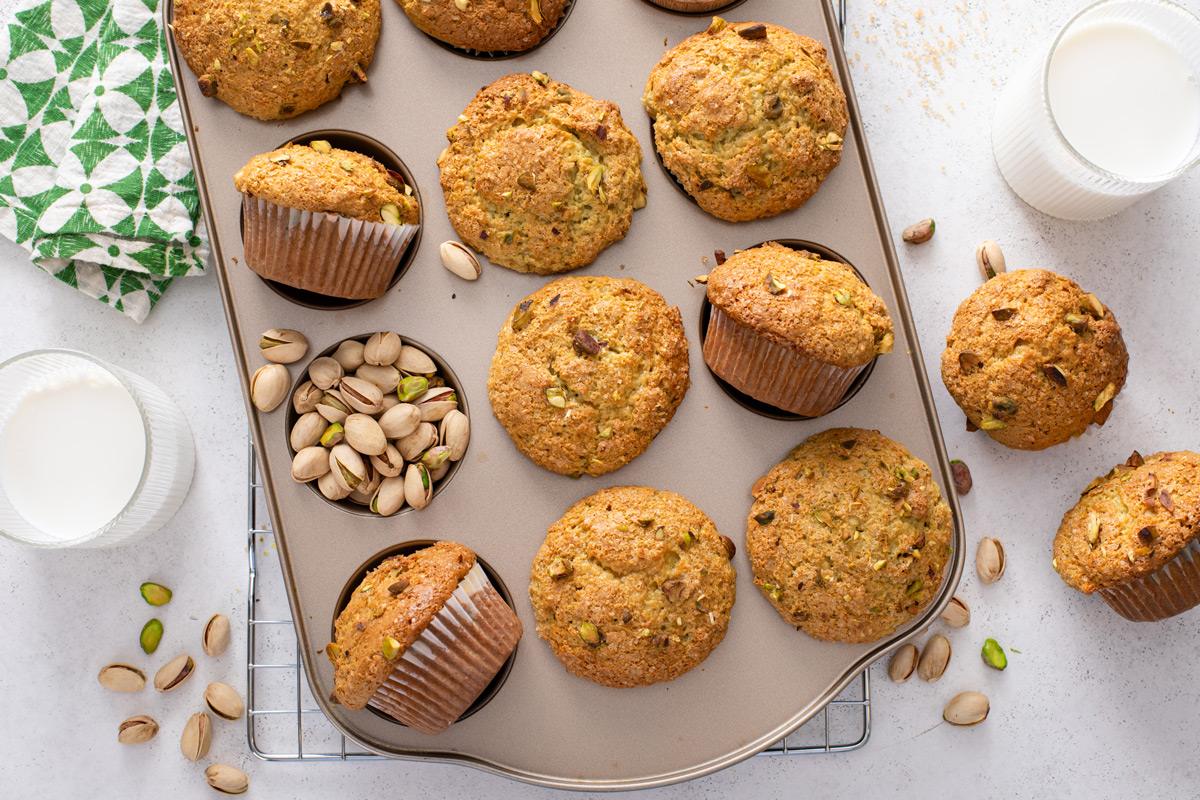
(95, 177)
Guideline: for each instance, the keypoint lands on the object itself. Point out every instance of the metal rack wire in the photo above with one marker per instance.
(283, 722)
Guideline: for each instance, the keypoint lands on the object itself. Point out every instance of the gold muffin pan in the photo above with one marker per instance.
(544, 725)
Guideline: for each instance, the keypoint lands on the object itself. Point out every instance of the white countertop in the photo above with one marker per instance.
(1092, 706)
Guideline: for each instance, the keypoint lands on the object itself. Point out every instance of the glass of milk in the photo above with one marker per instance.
(1108, 115)
(90, 455)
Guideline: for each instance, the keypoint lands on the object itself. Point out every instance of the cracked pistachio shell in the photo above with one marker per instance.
(283, 346)
(386, 377)
(990, 259)
(310, 464)
(331, 487)
(382, 348)
(197, 737)
(414, 362)
(418, 486)
(174, 673)
(957, 613)
(903, 663)
(389, 497)
(389, 401)
(389, 463)
(361, 395)
(934, 659)
(307, 431)
(306, 397)
(227, 779)
(347, 467)
(325, 372)
(333, 408)
(121, 678)
(439, 472)
(269, 387)
(364, 434)
(459, 260)
(989, 560)
(224, 701)
(137, 730)
(966, 709)
(215, 638)
(412, 446)
(350, 355)
(400, 420)
(436, 403)
(365, 490)
(455, 432)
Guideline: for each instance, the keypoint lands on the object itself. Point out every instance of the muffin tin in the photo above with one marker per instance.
(544, 725)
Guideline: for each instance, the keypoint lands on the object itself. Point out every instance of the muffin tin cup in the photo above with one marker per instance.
(1171, 590)
(696, 8)
(504, 55)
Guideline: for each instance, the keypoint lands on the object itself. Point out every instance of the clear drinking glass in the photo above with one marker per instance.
(1033, 153)
(169, 451)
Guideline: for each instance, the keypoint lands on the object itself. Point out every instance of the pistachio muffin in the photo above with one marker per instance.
(1132, 537)
(325, 220)
(849, 536)
(276, 60)
(421, 637)
(486, 25)
(1032, 359)
(633, 586)
(748, 117)
(539, 177)
(791, 329)
(587, 371)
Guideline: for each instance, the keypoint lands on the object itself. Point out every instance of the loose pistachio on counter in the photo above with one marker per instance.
(174, 673)
(460, 260)
(282, 346)
(269, 387)
(137, 730)
(197, 737)
(215, 638)
(966, 709)
(227, 779)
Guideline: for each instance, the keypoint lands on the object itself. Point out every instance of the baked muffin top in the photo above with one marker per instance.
(278, 59)
(1033, 360)
(1130, 522)
(327, 179)
(397, 599)
(748, 117)
(539, 177)
(587, 371)
(486, 25)
(849, 536)
(633, 586)
(817, 308)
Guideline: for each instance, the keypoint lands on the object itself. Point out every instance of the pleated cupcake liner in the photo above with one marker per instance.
(1171, 590)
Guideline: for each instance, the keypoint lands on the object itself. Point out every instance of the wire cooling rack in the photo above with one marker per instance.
(283, 722)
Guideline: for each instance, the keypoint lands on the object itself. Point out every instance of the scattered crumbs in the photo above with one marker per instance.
(452, 297)
(1014, 650)
(622, 266)
(664, 41)
(704, 259)
(235, 260)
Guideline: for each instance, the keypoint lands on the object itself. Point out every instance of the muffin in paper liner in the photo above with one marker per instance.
(771, 373)
(450, 664)
(322, 253)
(1172, 590)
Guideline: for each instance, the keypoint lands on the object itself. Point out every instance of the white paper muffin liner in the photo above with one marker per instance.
(771, 373)
(322, 253)
(1171, 590)
(450, 664)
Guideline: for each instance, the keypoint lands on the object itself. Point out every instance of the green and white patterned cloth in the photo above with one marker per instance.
(95, 177)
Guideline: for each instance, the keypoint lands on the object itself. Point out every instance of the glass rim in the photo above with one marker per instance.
(1153, 181)
(124, 382)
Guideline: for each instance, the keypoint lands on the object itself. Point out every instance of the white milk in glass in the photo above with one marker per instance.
(72, 453)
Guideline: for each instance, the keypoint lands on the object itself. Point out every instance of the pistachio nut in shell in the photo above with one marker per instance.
(382, 348)
(957, 613)
(121, 678)
(174, 673)
(365, 490)
(459, 260)
(332, 407)
(137, 730)
(310, 464)
(436, 403)
(966, 709)
(307, 430)
(325, 372)
(269, 387)
(414, 362)
(990, 560)
(331, 487)
(389, 463)
(224, 701)
(389, 497)
(361, 395)
(215, 638)
(455, 432)
(350, 355)
(347, 467)
(227, 779)
(989, 258)
(903, 663)
(418, 486)
(389, 401)
(386, 377)
(435, 456)
(400, 420)
(934, 659)
(306, 397)
(283, 346)
(412, 446)
(439, 472)
(197, 737)
(364, 434)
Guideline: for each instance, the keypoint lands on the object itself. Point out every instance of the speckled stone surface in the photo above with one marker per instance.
(1092, 707)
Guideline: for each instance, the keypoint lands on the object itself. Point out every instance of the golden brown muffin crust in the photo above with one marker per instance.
(337, 182)
(849, 536)
(486, 25)
(397, 599)
(1130, 522)
(274, 60)
(817, 308)
(748, 117)
(648, 571)
(587, 371)
(540, 177)
(1033, 360)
